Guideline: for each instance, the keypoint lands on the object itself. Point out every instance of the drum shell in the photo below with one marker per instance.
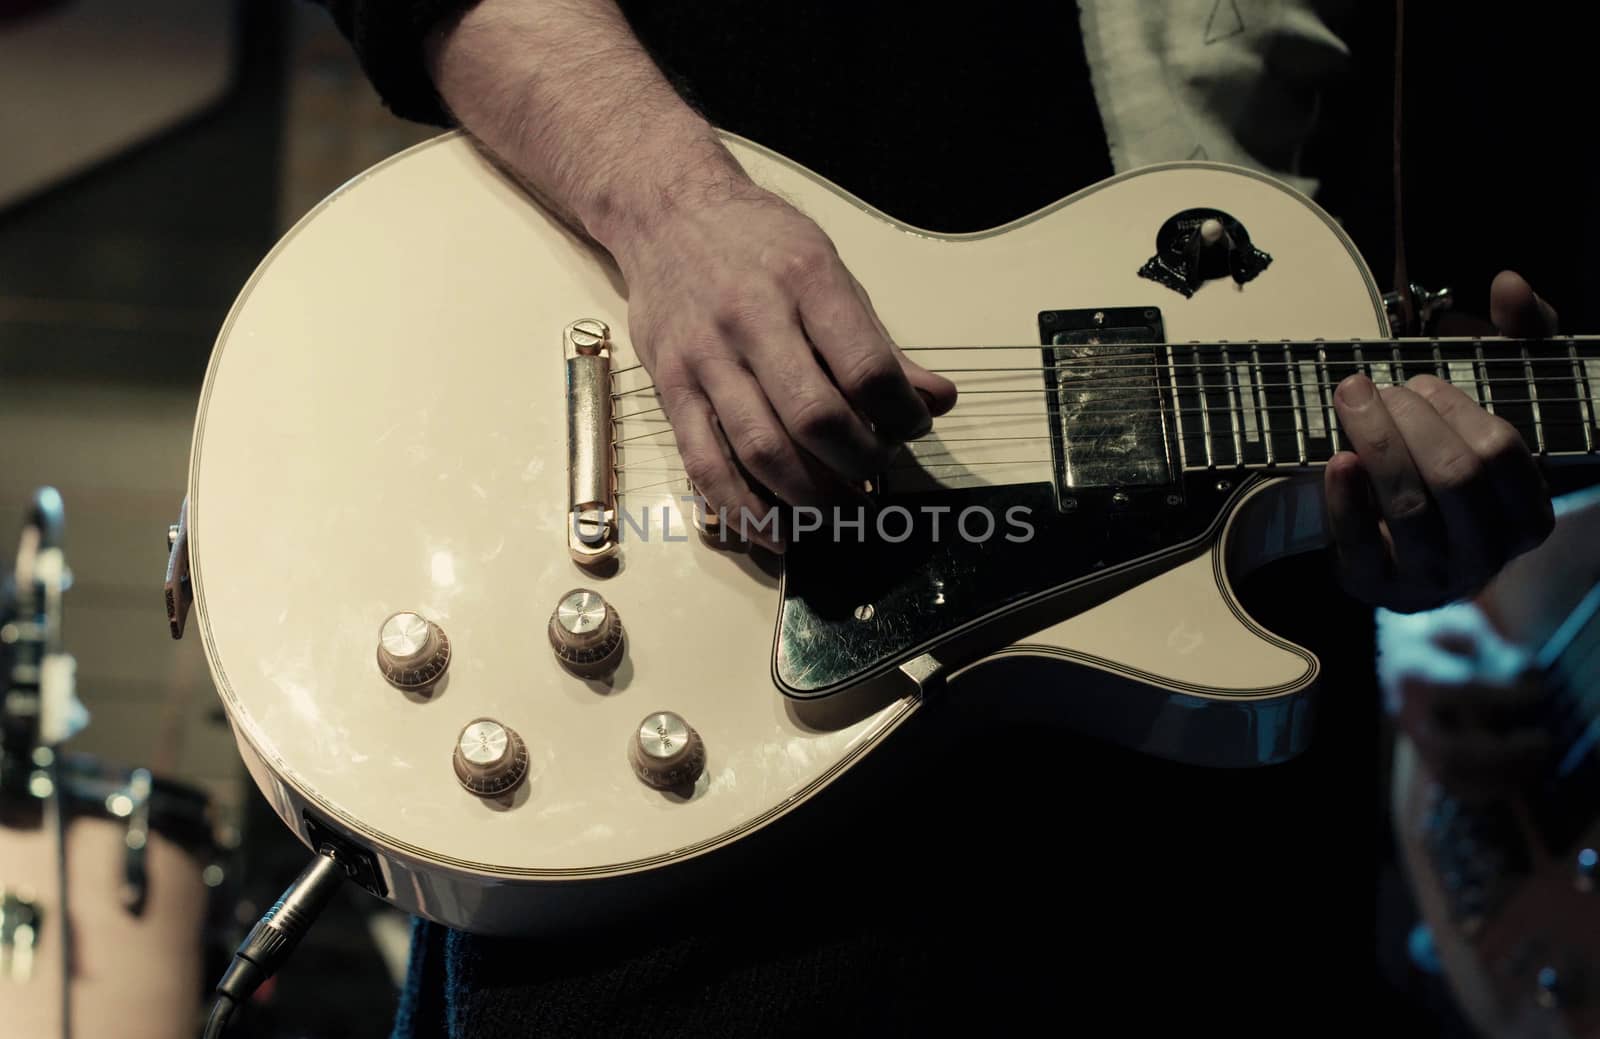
(133, 974)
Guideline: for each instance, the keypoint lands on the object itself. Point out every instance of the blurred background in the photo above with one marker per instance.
(152, 153)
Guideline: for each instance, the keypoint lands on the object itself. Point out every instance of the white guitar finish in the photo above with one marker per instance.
(383, 429)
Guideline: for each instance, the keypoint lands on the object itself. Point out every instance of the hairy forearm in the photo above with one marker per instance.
(563, 95)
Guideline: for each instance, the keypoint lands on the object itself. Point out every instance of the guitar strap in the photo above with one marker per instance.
(1402, 284)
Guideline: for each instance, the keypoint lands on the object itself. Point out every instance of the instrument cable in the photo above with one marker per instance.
(274, 937)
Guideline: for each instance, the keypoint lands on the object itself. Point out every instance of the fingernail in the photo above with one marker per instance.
(1356, 391)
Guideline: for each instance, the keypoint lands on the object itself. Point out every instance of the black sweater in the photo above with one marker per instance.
(948, 120)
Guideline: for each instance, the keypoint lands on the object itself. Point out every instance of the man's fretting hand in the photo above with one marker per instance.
(1438, 494)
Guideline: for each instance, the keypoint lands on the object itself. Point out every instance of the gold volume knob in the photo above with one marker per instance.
(586, 634)
(666, 752)
(413, 652)
(490, 758)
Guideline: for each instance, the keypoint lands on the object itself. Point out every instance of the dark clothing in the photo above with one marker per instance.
(951, 123)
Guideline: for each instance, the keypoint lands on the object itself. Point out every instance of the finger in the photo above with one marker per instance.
(1402, 497)
(860, 359)
(937, 392)
(813, 411)
(1518, 513)
(761, 445)
(712, 472)
(1517, 310)
(1353, 522)
(1455, 477)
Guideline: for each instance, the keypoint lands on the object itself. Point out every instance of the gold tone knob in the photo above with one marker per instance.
(586, 634)
(490, 758)
(413, 652)
(666, 752)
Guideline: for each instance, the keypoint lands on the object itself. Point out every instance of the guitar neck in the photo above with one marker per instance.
(1270, 405)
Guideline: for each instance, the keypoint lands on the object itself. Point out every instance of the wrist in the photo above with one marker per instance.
(625, 199)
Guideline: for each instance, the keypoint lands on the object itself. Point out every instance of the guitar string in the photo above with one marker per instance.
(1533, 350)
(1538, 349)
(1098, 381)
(1575, 714)
(1194, 443)
(1231, 384)
(1364, 366)
(920, 465)
(1444, 342)
(1243, 410)
(1189, 436)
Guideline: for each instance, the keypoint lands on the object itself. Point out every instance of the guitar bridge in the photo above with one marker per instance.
(1111, 437)
(592, 534)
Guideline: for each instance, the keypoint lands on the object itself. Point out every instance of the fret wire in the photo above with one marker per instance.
(1231, 391)
(1533, 398)
(1205, 414)
(1485, 395)
(1260, 394)
(1183, 455)
(1295, 391)
(1330, 415)
(1438, 363)
(1583, 392)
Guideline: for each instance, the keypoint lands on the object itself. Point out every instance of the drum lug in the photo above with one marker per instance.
(19, 931)
(178, 589)
(132, 802)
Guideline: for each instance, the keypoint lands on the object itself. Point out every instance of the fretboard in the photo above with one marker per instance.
(1270, 404)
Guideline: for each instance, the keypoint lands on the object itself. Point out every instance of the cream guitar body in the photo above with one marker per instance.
(385, 428)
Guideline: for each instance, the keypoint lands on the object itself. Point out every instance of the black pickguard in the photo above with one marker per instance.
(853, 609)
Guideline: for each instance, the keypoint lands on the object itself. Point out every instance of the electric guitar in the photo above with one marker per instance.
(469, 624)
(1509, 886)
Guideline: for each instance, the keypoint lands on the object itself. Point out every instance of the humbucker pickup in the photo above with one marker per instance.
(1108, 406)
